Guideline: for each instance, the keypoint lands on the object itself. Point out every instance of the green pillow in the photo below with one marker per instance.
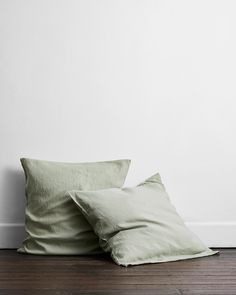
(53, 223)
(139, 225)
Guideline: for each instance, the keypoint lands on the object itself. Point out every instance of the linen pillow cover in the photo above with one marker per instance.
(53, 223)
(139, 225)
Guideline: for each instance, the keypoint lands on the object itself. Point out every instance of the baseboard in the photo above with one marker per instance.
(11, 235)
(214, 234)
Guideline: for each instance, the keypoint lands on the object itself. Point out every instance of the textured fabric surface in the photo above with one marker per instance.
(53, 223)
(139, 225)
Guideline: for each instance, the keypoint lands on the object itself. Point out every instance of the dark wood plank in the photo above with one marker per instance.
(97, 275)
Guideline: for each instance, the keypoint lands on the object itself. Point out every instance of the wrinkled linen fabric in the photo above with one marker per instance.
(52, 222)
(139, 225)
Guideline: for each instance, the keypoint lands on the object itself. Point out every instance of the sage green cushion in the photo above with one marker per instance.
(53, 223)
(139, 225)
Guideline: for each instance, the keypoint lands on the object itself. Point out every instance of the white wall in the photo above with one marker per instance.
(153, 81)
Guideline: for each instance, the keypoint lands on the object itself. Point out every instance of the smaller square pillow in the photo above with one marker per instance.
(139, 225)
(53, 224)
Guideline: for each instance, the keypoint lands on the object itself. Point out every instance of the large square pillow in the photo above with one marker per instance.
(139, 225)
(53, 223)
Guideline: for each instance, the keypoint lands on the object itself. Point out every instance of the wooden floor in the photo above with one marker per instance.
(54, 275)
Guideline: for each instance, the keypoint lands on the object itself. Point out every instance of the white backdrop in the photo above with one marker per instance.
(153, 81)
